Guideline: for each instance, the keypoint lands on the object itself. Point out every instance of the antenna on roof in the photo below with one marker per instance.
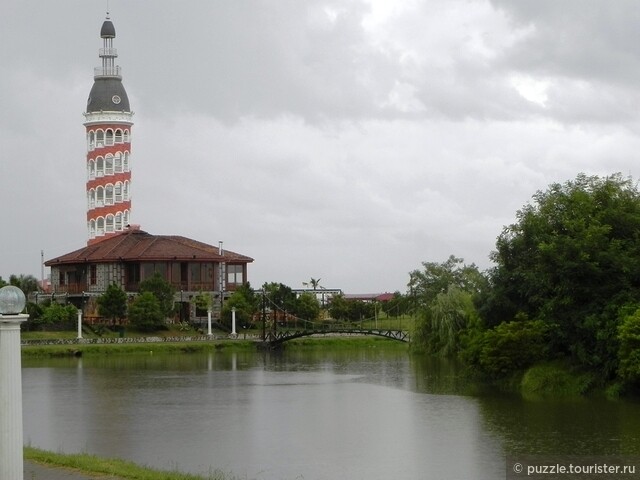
(107, 9)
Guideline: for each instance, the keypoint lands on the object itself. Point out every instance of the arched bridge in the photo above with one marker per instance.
(277, 338)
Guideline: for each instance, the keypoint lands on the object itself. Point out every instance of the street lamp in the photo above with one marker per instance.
(12, 302)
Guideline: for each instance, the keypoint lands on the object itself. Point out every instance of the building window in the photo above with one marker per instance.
(234, 274)
(100, 138)
(93, 274)
(118, 192)
(125, 218)
(109, 223)
(133, 273)
(92, 140)
(100, 196)
(125, 191)
(119, 221)
(100, 227)
(92, 169)
(126, 136)
(125, 163)
(108, 195)
(118, 136)
(92, 228)
(62, 278)
(108, 165)
(117, 163)
(99, 167)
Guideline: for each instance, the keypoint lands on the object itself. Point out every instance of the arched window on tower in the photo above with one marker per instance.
(126, 136)
(118, 224)
(92, 228)
(91, 169)
(108, 164)
(100, 196)
(92, 140)
(118, 136)
(92, 198)
(99, 167)
(125, 191)
(117, 163)
(99, 138)
(109, 137)
(109, 224)
(125, 163)
(118, 192)
(125, 218)
(108, 194)
(100, 226)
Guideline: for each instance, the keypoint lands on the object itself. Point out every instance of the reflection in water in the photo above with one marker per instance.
(312, 414)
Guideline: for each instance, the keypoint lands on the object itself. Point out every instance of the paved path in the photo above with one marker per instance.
(38, 471)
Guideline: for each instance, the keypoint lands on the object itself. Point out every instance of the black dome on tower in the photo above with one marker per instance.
(108, 30)
(108, 93)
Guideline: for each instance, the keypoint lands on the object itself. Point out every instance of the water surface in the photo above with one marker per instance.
(370, 414)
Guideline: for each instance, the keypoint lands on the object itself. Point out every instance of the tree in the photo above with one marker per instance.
(443, 295)
(112, 304)
(629, 354)
(146, 313)
(57, 314)
(572, 260)
(398, 305)
(162, 290)
(27, 283)
(436, 278)
(307, 307)
(245, 302)
(445, 320)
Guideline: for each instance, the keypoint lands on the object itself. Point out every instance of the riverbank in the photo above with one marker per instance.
(177, 346)
(83, 466)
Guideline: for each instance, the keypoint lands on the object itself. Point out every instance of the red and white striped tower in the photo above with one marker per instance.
(108, 122)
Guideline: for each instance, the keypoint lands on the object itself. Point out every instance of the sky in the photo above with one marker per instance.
(343, 140)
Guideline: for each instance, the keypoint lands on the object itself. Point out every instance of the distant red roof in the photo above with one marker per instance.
(369, 297)
(140, 246)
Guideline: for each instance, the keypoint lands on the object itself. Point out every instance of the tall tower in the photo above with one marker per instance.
(108, 122)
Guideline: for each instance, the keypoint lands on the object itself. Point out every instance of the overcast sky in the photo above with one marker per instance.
(343, 140)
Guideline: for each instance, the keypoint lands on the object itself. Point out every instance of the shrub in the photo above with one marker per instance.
(145, 313)
(629, 353)
(508, 347)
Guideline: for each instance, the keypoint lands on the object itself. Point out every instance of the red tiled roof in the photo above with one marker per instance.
(137, 245)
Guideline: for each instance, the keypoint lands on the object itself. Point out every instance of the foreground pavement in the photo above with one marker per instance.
(39, 471)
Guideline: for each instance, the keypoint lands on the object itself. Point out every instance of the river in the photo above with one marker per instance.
(369, 413)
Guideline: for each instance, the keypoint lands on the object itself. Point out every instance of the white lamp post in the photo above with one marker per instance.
(233, 322)
(79, 324)
(12, 302)
(209, 322)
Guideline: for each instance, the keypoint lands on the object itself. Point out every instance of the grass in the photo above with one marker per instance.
(344, 342)
(555, 380)
(114, 468)
(41, 351)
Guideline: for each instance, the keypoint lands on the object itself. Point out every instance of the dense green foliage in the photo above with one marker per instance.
(246, 303)
(567, 273)
(162, 290)
(146, 313)
(629, 354)
(444, 295)
(112, 304)
(346, 310)
(282, 299)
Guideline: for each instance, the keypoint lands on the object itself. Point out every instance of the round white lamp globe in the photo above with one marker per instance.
(12, 300)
